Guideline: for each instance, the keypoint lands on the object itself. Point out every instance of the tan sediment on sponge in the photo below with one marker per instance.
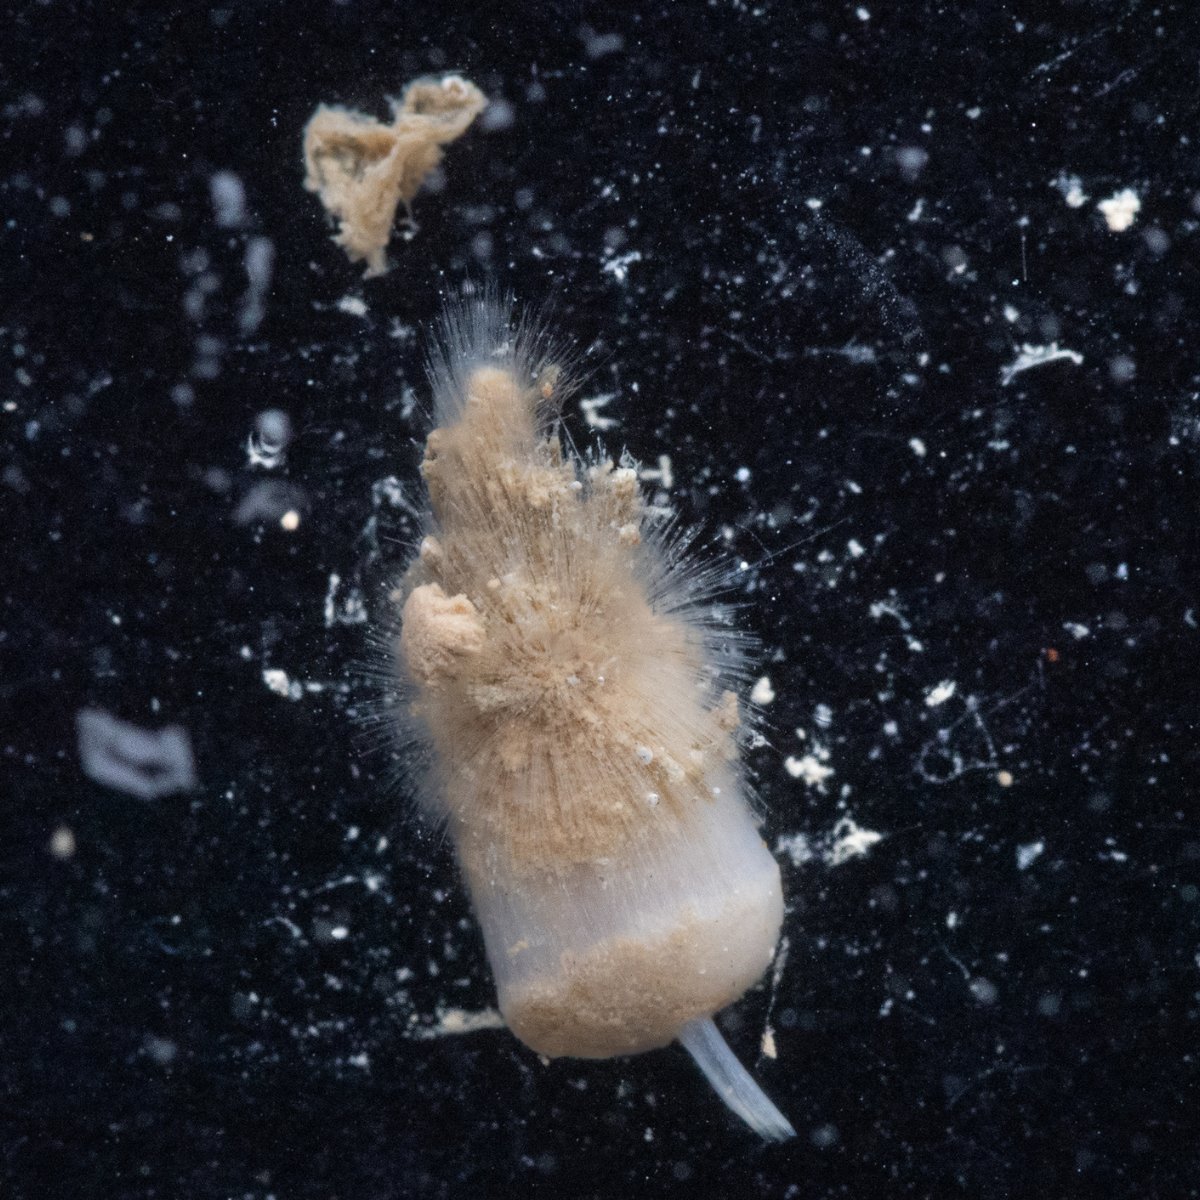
(363, 170)
(562, 664)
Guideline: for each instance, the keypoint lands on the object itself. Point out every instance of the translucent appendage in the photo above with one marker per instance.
(733, 1083)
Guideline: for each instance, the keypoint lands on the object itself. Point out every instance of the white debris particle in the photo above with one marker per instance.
(917, 447)
(850, 840)
(952, 920)
(161, 1050)
(228, 199)
(762, 693)
(984, 990)
(1028, 853)
(1076, 630)
(339, 933)
(143, 762)
(591, 411)
(1071, 188)
(351, 611)
(451, 1021)
(662, 473)
(62, 843)
(290, 521)
(597, 45)
(940, 693)
(498, 116)
(618, 266)
(767, 1046)
(277, 680)
(354, 306)
(266, 445)
(855, 547)
(797, 847)
(269, 500)
(809, 768)
(1120, 210)
(1037, 356)
(259, 261)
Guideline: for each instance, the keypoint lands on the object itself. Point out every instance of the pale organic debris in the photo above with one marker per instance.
(1120, 210)
(143, 762)
(1037, 356)
(363, 170)
(452, 1021)
(850, 840)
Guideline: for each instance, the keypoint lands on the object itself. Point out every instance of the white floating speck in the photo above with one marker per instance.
(940, 693)
(1028, 854)
(762, 693)
(1037, 356)
(1071, 189)
(1120, 210)
(277, 680)
(850, 840)
(797, 847)
(809, 768)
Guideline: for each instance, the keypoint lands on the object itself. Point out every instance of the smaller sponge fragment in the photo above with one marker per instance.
(363, 169)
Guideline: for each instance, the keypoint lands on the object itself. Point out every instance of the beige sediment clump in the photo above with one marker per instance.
(585, 750)
(363, 170)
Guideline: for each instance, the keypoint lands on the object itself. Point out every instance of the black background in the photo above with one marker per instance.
(727, 212)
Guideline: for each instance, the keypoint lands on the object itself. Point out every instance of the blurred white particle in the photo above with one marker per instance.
(259, 261)
(228, 199)
(940, 693)
(597, 45)
(984, 990)
(62, 843)
(917, 447)
(498, 115)
(762, 693)
(1028, 854)
(1071, 189)
(797, 847)
(272, 433)
(355, 306)
(618, 267)
(145, 763)
(824, 1137)
(911, 160)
